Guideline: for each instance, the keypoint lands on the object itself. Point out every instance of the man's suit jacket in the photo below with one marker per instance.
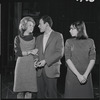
(53, 53)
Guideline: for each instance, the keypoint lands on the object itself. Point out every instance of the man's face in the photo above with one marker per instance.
(42, 26)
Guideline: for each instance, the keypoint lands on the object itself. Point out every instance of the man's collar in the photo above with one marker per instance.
(49, 32)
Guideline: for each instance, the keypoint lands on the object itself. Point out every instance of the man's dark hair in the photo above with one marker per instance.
(47, 19)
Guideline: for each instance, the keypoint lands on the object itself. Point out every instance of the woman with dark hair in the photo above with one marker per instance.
(80, 57)
(25, 82)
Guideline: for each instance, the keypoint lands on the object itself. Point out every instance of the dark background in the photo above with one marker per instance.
(63, 13)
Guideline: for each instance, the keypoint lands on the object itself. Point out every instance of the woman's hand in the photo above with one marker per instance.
(34, 52)
(24, 53)
(84, 80)
(81, 78)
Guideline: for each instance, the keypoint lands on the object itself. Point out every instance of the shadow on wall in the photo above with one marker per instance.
(0, 86)
(0, 29)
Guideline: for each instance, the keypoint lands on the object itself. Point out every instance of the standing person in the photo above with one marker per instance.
(50, 47)
(80, 57)
(25, 82)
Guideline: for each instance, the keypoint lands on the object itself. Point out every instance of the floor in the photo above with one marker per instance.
(7, 84)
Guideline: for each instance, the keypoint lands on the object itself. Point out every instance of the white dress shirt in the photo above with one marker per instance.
(45, 39)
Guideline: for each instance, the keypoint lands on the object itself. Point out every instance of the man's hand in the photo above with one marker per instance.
(41, 63)
(35, 63)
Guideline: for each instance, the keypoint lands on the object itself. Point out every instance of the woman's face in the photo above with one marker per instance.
(73, 31)
(30, 26)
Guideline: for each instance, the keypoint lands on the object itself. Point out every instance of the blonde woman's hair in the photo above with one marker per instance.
(23, 23)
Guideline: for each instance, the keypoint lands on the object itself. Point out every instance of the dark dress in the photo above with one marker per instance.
(25, 72)
(80, 52)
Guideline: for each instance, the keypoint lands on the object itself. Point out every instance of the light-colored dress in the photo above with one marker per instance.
(80, 52)
(25, 72)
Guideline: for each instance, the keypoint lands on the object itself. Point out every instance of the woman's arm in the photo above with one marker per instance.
(89, 68)
(34, 51)
(74, 70)
(92, 57)
(68, 54)
(72, 67)
(17, 49)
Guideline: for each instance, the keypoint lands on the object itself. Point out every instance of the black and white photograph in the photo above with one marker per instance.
(49, 49)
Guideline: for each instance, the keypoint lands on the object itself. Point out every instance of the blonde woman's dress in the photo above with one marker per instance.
(25, 72)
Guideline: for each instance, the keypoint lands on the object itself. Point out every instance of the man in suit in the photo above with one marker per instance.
(50, 47)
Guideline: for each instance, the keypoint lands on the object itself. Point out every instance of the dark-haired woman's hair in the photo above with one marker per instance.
(81, 28)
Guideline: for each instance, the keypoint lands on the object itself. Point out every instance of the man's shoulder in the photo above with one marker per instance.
(57, 33)
(38, 37)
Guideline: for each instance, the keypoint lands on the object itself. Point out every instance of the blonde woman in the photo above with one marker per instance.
(25, 73)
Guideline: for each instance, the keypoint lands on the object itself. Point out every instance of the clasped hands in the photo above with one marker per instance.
(39, 63)
(82, 78)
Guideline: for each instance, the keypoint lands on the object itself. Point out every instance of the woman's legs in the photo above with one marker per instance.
(34, 95)
(20, 95)
(28, 95)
